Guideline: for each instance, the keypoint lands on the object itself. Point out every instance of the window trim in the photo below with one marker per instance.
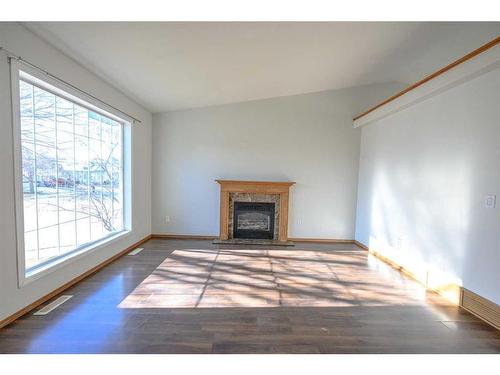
(21, 71)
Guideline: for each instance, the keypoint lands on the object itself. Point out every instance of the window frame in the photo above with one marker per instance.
(26, 73)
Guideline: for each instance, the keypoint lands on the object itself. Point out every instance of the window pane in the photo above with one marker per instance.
(96, 207)
(66, 186)
(72, 175)
(116, 166)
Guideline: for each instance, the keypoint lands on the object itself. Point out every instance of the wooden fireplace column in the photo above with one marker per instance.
(256, 187)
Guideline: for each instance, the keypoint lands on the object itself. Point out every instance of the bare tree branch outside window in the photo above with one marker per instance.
(72, 171)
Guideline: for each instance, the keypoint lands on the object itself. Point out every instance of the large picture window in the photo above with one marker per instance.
(72, 174)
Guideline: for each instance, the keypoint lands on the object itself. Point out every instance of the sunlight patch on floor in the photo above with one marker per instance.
(198, 278)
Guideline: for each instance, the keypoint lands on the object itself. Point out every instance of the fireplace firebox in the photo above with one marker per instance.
(253, 220)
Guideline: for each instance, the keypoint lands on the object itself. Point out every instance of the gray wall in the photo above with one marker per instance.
(424, 174)
(22, 42)
(304, 138)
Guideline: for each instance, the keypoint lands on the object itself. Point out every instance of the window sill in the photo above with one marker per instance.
(64, 260)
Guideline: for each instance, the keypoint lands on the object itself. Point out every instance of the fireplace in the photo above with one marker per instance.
(254, 211)
(253, 220)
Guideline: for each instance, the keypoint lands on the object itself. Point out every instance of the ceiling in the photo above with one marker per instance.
(177, 65)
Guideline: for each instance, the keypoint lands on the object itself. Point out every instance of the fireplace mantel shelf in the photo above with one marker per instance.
(270, 187)
(281, 188)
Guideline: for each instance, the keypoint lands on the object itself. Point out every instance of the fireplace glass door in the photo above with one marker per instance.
(253, 220)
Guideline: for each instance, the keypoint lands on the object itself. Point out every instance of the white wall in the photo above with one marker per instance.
(304, 138)
(423, 176)
(22, 42)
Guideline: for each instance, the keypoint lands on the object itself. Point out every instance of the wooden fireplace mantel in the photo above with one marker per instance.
(281, 188)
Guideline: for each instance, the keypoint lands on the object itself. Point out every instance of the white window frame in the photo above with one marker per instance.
(45, 82)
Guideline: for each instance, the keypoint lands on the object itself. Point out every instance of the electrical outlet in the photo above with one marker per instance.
(490, 201)
(167, 219)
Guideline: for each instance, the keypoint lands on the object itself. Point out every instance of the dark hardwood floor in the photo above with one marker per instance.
(179, 296)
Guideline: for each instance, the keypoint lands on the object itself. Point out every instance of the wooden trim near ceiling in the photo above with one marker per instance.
(483, 308)
(70, 283)
(469, 56)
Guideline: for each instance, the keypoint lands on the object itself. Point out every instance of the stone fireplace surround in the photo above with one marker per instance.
(254, 191)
